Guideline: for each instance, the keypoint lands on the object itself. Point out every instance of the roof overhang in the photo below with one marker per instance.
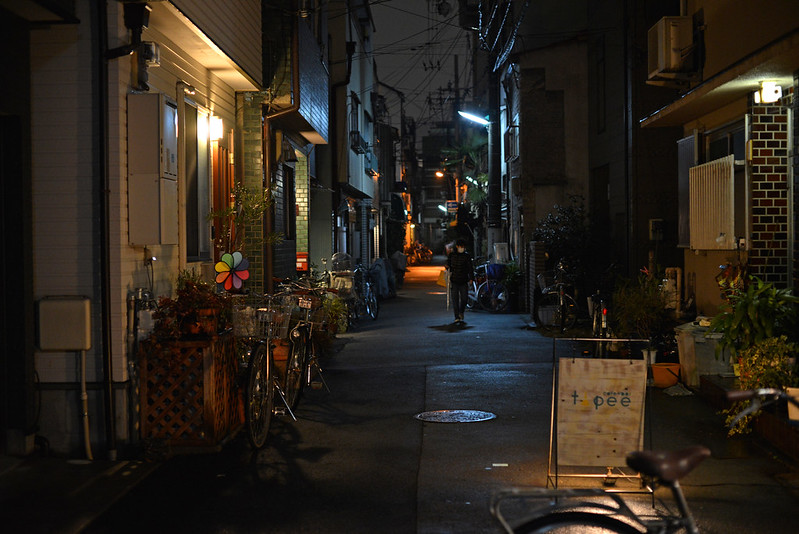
(198, 46)
(42, 11)
(774, 62)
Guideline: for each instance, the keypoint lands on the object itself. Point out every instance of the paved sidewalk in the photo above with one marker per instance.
(56, 495)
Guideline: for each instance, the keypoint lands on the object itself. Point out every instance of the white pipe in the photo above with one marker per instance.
(84, 399)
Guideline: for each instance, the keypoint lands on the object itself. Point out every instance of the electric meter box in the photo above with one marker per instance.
(64, 324)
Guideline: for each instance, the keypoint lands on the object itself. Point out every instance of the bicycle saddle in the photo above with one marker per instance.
(668, 466)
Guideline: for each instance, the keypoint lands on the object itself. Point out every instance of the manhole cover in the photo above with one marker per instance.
(455, 416)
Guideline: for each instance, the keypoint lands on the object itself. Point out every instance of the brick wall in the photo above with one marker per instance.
(795, 164)
(252, 177)
(302, 192)
(769, 251)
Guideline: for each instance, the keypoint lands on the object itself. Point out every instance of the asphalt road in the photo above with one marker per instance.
(357, 460)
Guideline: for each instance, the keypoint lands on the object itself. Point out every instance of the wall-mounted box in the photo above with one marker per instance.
(64, 323)
(152, 170)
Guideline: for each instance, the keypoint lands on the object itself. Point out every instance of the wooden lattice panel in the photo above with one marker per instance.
(189, 396)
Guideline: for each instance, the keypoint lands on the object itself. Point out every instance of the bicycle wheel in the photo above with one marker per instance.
(295, 371)
(260, 396)
(492, 296)
(471, 301)
(548, 312)
(576, 522)
(372, 306)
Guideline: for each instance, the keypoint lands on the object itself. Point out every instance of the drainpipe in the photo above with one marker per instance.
(101, 113)
(269, 255)
(334, 159)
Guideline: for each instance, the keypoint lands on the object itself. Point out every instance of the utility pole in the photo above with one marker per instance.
(494, 215)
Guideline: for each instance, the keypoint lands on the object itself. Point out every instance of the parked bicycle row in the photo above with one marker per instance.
(281, 337)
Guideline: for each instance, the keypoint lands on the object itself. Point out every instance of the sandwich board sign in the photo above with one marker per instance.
(600, 410)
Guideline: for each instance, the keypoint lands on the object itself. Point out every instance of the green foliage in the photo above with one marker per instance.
(769, 363)
(753, 314)
(512, 275)
(175, 316)
(565, 233)
(335, 311)
(245, 212)
(639, 308)
(478, 195)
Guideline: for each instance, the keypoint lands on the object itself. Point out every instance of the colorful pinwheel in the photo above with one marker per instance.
(232, 271)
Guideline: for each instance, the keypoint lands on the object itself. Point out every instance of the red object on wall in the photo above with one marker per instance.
(302, 261)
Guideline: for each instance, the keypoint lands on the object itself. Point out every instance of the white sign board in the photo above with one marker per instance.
(600, 406)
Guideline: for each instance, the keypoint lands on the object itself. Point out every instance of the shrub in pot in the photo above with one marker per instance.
(196, 311)
(752, 314)
(768, 363)
(639, 309)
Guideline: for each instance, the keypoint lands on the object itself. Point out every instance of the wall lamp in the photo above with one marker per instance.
(216, 127)
(768, 93)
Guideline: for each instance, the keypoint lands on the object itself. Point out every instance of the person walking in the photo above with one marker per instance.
(461, 272)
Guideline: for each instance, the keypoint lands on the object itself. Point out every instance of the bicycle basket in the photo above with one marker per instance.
(318, 317)
(244, 324)
(546, 280)
(341, 261)
(494, 271)
(273, 321)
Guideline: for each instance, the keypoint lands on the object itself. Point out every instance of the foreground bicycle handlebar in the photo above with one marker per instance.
(759, 398)
(572, 509)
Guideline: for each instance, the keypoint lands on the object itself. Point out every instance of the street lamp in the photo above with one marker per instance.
(474, 118)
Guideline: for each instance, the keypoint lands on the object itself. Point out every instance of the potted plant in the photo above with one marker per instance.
(196, 311)
(639, 308)
(768, 363)
(512, 280)
(753, 313)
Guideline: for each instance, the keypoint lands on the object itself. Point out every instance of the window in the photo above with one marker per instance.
(289, 204)
(197, 184)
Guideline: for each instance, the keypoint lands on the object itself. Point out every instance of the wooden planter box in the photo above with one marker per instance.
(777, 430)
(189, 397)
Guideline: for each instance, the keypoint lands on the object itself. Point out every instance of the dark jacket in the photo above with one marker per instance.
(460, 267)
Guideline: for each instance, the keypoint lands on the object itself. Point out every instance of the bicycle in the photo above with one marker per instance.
(367, 293)
(472, 302)
(588, 510)
(600, 328)
(256, 323)
(555, 309)
(302, 362)
(492, 295)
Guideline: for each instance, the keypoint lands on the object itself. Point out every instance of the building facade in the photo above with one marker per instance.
(735, 111)
(127, 125)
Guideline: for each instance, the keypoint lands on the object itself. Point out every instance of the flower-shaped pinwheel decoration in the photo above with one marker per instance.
(231, 271)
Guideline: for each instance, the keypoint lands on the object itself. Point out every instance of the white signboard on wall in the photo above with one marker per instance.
(600, 411)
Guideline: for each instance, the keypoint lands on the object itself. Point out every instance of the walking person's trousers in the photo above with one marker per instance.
(459, 293)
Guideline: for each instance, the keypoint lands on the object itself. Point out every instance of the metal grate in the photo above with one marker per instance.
(712, 201)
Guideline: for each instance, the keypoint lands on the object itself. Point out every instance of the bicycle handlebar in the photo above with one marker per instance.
(771, 394)
(759, 397)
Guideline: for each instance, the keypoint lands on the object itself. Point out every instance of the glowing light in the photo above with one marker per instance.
(217, 128)
(474, 118)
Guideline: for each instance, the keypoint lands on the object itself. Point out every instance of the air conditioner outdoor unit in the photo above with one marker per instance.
(669, 43)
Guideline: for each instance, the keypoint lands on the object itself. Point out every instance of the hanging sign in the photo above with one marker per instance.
(452, 206)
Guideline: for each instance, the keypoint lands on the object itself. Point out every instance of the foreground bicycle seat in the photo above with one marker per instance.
(667, 466)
